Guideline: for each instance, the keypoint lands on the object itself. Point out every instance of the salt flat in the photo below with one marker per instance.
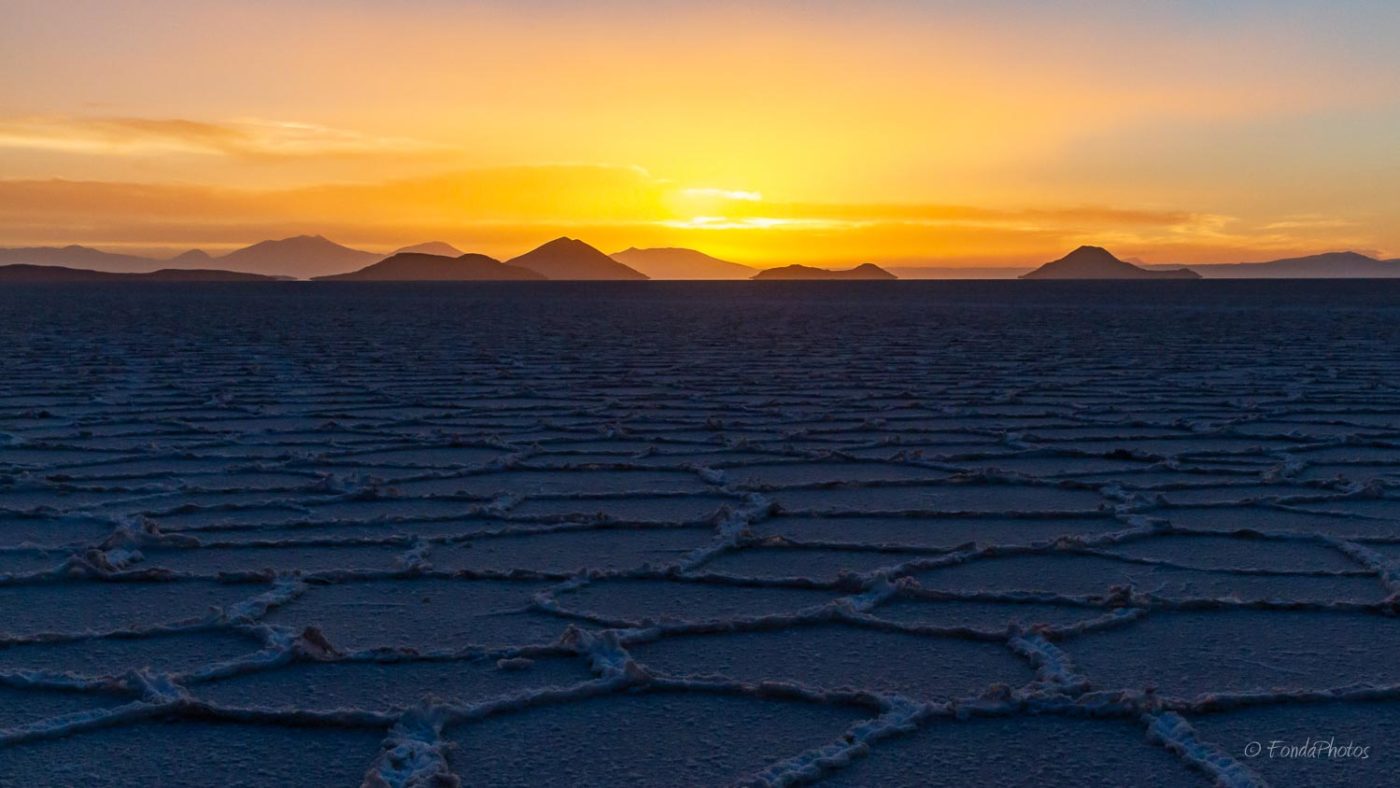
(666, 533)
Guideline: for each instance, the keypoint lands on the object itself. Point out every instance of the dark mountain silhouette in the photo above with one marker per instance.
(1329, 265)
(567, 258)
(1094, 262)
(441, 248)
(78, 257)
(676, 263)
(22, 272)
(862, 271)
(956, 272)
(415, 267)
(302, 256)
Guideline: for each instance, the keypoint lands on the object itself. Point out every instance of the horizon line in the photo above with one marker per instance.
(169, 253)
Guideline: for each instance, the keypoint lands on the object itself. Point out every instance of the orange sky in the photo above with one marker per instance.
(764, 132)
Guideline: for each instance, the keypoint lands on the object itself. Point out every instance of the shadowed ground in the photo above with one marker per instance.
(653, 533)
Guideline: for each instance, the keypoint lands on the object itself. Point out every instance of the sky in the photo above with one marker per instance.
(999, 132)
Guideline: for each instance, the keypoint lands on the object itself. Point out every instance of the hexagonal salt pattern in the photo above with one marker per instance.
(941, 534)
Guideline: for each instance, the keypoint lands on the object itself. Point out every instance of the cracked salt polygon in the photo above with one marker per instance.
(1091, 575)
(1040, 464)
(418, 456)
(20, 706)
(399, 532)
(1285, 731)
(1076, 434)
(637, 509)
(23, 562)
(558, 483)
(1359, 473)
(573, 550)
(1303, 429)
(196, 519)
(932, 531)
(1205, 494)
(950, 498)
(656, 600)
(831, 656)
(388, 686)
(1385, 509)
(174, 467)
(278, 558)
(800, 473)
(982, 615)
(1351, 453)
(942, 451)
(424, 614)
(49, 531)
(195, 753)
(221, 482)
(1224, 552)
(1211, 485)
(657, 738)
(814, 563)
(96, 606)
(386, 506)
(1185, 446)
(164, 652)
(1190, 653)
(1277, 520)
(32, 497)
(130, 504)
(1020, 750)
(55, 457)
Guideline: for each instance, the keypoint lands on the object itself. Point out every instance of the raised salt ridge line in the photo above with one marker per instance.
(415, 524)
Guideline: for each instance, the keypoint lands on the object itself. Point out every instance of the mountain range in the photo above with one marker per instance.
(1096, 262)
(299, 257)
(74, 256)
(26, 273)
(314, 256)
(1330, 265)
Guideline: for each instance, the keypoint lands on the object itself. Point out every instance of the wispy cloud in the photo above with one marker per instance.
(244, 138)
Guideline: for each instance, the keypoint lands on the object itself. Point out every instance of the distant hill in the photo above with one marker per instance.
(1094, 262)
(440, 248)
(676, 263)
(415, 267)
(956, 272)
(862, 271)
(24, 273)
(1331, 265)
(302, 256)
(74, 256)
(570, 259)
(194, 258)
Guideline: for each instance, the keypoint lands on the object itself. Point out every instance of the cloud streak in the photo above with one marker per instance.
(245, 138)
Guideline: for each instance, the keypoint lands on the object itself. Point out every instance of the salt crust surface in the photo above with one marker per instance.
(609, 535)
